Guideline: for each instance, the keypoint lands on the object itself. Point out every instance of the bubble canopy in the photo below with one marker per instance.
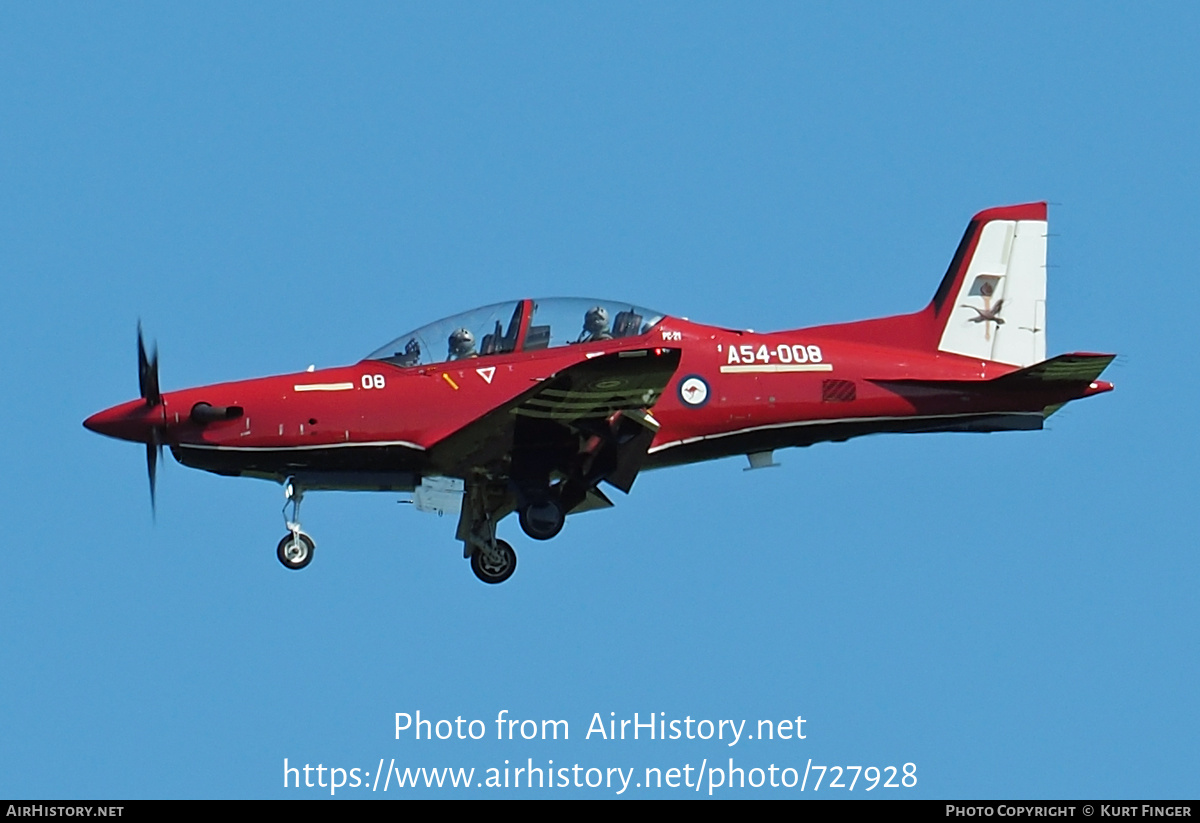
(519, 325)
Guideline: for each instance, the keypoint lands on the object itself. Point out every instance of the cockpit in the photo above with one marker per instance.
(522, 325)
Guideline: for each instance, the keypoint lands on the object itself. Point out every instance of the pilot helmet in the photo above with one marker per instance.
(461, 342)
(596, 319)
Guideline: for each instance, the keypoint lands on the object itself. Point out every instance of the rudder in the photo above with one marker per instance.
(991, 304)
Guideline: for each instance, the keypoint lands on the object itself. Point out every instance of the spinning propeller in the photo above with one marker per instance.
(148, 387)
(145, 420)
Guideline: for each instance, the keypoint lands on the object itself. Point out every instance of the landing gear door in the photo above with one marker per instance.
(441, 495)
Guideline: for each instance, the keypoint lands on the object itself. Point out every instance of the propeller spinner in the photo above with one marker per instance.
(145, 420)
(142, 421)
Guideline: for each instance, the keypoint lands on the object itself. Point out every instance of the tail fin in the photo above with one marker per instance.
(991, 304)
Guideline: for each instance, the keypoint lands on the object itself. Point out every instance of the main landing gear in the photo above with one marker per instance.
(494, 564)
(493, 560)
(542, 518)
(296, 548)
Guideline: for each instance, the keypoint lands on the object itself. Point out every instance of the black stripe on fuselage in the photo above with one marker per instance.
(281, 463)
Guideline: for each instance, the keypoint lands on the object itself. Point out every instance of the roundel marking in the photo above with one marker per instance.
(610, 383)
(693, 391)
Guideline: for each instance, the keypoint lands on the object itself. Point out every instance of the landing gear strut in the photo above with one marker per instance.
(484, 504)
(296, 548)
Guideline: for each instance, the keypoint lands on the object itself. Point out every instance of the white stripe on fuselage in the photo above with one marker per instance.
(774, 368)
(687, 441)
(323, 387)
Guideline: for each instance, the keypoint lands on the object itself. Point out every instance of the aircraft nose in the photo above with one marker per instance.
(129, 421)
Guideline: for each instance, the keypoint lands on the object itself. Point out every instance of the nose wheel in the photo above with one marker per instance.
(296, 548)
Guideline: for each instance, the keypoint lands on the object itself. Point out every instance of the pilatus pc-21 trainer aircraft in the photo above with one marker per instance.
(529, 406)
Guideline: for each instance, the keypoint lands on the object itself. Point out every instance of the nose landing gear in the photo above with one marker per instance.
(295, 550)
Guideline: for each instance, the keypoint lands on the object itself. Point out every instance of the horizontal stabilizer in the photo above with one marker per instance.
(1078, 368)
(1066, 368)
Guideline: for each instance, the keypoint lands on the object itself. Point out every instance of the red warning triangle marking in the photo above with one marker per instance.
(487, 374)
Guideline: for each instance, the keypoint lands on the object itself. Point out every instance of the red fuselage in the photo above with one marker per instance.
(735, 392)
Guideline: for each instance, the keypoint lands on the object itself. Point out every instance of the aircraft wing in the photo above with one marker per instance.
(592, 416)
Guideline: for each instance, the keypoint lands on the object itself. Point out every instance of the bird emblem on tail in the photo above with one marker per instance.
(989, 313)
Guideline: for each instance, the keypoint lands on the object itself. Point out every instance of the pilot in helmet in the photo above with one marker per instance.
(462, 345)
(595, 325)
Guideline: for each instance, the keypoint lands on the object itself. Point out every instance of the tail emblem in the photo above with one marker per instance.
(985, 287)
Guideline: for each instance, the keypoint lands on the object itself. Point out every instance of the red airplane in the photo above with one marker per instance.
(527, 406)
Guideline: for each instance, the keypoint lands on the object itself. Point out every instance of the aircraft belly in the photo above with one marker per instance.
(280, 463)
(806, 433)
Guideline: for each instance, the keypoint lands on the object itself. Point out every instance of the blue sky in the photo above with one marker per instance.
(271, 186)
